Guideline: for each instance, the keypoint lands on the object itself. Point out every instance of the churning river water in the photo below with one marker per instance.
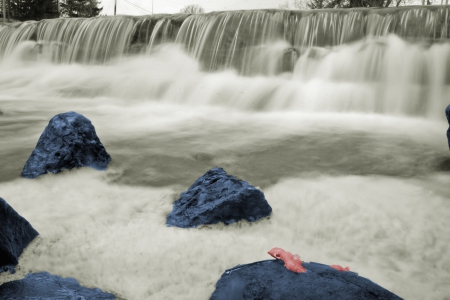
(356, 170)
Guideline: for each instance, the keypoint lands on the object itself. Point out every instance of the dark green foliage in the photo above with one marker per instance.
(80, 8)
(24, 10)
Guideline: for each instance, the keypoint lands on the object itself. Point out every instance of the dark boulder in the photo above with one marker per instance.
(270, 279)
(447, 114)
(46, 286)
(15, 235)
(69, 141)
(218, 197)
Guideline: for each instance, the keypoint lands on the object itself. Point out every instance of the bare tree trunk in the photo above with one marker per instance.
(9, 10)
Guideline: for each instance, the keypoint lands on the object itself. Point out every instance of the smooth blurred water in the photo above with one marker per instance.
(354, 164)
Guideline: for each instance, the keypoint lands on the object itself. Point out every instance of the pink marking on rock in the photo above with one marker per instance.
(339, 268)
(291, 262)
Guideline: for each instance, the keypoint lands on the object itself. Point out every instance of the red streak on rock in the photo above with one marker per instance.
(339, 268)
(291, 262)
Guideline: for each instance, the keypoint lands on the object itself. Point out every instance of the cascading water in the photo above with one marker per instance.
(337, 115)
(224, 35)
(339, 48)
(84, 40)
(11, 36)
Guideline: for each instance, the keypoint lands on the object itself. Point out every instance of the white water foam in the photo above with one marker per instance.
(390, 230)
(402, 79)
(322, 149)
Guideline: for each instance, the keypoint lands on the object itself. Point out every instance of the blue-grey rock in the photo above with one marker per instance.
(46, 286)
(447, 114)
(15, 235)
(69, 141)
(270, 280)
(218, 197)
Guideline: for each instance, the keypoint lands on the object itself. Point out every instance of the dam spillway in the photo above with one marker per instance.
(393, 61)
(220, 37)
(395, 58)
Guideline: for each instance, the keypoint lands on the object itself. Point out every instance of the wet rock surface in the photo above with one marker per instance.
(69, 141)
(447, 115)
(269, 279)
(46, 286)
(218, 197)
(15, 235)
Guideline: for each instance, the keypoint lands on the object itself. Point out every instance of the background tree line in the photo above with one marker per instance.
(23, 10)
(30, 9)
(317, 4)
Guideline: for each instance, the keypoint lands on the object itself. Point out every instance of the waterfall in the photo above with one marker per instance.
(230, 39)
(11, 36)
(85, 40)
(224, 39)
(89, 41)
(393, 60)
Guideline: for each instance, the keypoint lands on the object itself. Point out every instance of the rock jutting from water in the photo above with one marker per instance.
(46, 286)
(218, 197)
(15, 235)
(447, 114)
(271, 280)
(69, 141)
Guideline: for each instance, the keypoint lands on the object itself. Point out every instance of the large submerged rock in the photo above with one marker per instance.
(69, 141)
(46, 286)
(271, 280)
(218, 197)
(15, 235)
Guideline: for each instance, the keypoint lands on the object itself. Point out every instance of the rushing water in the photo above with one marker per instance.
(338, 116)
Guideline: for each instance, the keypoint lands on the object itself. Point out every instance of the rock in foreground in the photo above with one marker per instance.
(218, 197)
(69, 141)
(447, 114)
(46, 286)
(15, 235)
(271, 280)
